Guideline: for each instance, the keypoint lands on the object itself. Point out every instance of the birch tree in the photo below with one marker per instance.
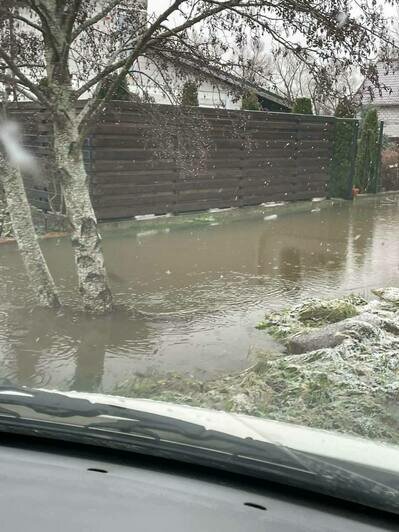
(13, 160)
(41, 280)
(56, 52)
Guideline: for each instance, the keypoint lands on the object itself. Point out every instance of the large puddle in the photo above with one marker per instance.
(191, 294)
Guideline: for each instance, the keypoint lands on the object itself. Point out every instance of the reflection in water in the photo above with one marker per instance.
(26, 365)
(290, 267)
(362, 224)
(191, 295)
(29, 333)
(90, 356)
(296, 247)
(119, 334)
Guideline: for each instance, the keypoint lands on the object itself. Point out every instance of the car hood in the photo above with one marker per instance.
(296, 437)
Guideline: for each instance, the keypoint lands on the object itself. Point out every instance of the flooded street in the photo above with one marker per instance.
(190, 295)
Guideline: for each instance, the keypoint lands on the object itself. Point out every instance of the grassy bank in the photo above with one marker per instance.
(351, 388)
(219, 216)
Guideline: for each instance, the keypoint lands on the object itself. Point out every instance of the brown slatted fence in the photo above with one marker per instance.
(155, 159)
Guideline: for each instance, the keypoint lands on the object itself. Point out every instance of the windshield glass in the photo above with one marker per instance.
(199, 206)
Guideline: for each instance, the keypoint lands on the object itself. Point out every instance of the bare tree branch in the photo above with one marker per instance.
(42, 10)
(195, 20)
(4, 78)
(93, 20)
(92, 107)
(28, 22)
(155, 82)
(99, 77)
(24, 80)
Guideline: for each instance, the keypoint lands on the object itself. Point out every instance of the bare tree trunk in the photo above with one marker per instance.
(25, 235)
(86, 241)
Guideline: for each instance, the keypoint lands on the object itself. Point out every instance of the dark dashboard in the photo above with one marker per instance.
(48, 485)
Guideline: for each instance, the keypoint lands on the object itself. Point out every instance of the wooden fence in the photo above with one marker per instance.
(145, 159)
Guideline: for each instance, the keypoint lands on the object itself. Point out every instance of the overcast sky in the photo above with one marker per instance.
(161, 5)
(158, 6)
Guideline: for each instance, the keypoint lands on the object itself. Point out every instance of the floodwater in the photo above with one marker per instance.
(191, 295)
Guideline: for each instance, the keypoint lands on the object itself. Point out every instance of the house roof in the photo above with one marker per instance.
(388, 77)
(240, 83)
(228, 78)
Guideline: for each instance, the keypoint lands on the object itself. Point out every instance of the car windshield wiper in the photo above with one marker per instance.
(55, 415)
(119, 420)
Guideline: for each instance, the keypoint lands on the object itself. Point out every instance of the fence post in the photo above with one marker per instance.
(297, 155)
(240, 124)
(353, 159)
(178, 171)
(378, 165)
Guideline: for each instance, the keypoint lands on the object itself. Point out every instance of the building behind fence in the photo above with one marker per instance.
(144, 159)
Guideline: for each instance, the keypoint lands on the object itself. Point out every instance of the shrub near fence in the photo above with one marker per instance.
(342, 168)
(144, 159)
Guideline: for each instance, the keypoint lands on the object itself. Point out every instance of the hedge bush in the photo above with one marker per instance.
(368, 153)
(302, 106)
(341, 164)
(121, 91)
(346, 108)
(189, 95)
(250, 102)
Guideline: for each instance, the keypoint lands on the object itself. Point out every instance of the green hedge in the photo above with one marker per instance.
(346, 108)
(368, 153)
(121, 91)
(341, 164)
(250, 102)
(302, 106)
(189, 95)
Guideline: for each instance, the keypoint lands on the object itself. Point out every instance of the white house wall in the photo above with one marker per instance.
(389, 114)
(208, 96)
(164, 85)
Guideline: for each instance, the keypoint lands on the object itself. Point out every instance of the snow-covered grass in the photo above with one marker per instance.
(351, 388)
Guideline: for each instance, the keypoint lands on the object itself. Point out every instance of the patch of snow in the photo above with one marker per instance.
(271, 217)
(273, 204)
(318, 199)
(390, 294)
(147, 233)
(342, 19)
(144, 216)
(216, 209)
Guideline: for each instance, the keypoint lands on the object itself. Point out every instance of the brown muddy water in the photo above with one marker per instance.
(191, 293)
